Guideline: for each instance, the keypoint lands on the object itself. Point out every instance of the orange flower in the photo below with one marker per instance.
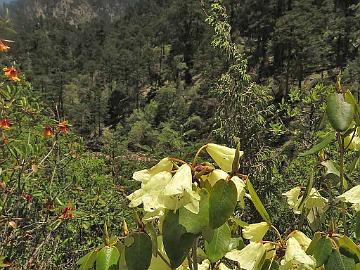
(3, 47)
(4, 123)
(63, 127)
(48, 132)
(11, 73)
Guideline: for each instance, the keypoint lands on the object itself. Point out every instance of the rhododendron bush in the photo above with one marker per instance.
(188, 214)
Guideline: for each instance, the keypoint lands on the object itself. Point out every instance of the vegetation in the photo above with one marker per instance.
(87, 102)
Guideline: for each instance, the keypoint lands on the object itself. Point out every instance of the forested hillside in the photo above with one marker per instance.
(109, 87)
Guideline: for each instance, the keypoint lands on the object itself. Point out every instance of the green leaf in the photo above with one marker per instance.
(349, 98)
(270, 265)
(194, 223)
(239, 222)
(257, 202)
(86, 262)
(321, 145)
(149, 228)
(339, 112)
(345, 242)
(107, 258)
(322, 251)
(236, 243)
(309, 186)
(222, 202)
(310, 250)
(219, 244)
(138, 255)
(177, 241)
(337, 261)
(357, 229)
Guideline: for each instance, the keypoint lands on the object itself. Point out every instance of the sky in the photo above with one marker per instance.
(5, 1)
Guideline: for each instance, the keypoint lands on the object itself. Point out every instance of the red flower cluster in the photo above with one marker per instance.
(67, 213)
(11, 73)
(4, 123)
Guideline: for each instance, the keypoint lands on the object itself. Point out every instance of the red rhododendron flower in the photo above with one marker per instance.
(11, 73)
(63, 127)
(48, 132)
(67, 212)
(4, 123)
(3, 47)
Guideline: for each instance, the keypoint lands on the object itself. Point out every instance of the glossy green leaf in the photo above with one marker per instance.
(322, 251)
(207, 233)
(345, 242)
(138, 255)
(177, 241)
(222, 202)
(337, 261)
(257, 202)
(339, 112)
(310, 250)
(122, 263)
(149, 228)
(194, 223)
(107, 258)
(330, 137)
(87, 262)
(219, 244)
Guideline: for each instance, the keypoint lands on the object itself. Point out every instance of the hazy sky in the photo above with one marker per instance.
(5, 1)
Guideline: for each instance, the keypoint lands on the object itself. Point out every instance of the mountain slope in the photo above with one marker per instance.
(74, 11)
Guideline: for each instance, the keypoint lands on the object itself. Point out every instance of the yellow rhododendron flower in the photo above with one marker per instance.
(293, 199)
(165, 165)
(249, 257)
(270, 250)
(352, 141)
(352, 196)
(296, 258)
(303, 240)
(314, 199)
(256, 231)
(182, 180)
(178, 192)
(222, 155)
(223, 267)
(150, 192)
(215, 176)
(240, 188)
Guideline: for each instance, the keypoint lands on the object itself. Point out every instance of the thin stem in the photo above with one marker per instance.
(193, 253)
(164, 259)
(278, 233)
(342, 176)
(198, 153)
(341, 161)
